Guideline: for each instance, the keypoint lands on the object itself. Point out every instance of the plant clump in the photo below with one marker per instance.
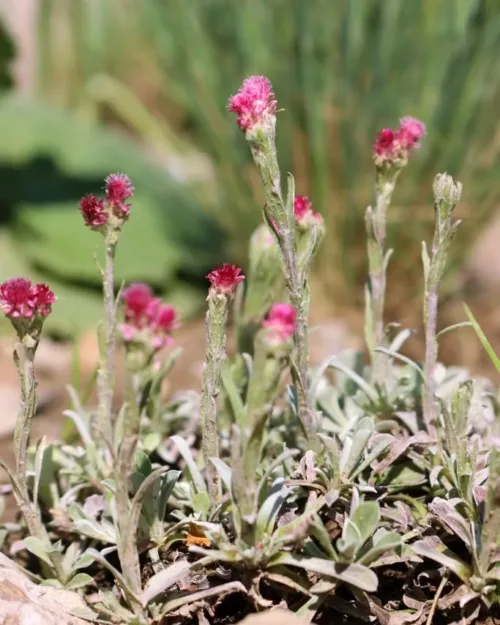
(285, 485)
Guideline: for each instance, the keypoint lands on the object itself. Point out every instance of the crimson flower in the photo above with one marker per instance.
(147, 319)
(386, 142)
(137, 297)
(19, 298)
(119, 188)
(225, 279)
(302, 209)
(391, 146)
(254, 103)
(93, 211)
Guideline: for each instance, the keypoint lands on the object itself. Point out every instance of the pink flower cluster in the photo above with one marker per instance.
(225, 279)
(391, 145)
(254, 103)
(147, 319)
(302, 208)
(19, 298)
(96, 212)
(280, 322)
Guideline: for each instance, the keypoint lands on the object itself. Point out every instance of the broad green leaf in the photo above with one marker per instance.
(201, 503)
(388, 542)
(366, 518)
(80, 580)
(445, 557)
(350, 542)
(36, 546)
(355, 574)
(92, 529)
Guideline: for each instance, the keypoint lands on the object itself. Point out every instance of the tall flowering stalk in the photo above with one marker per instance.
(255, 105)
(27, 306)
(108, 216)
(447, 194)
(391, 150)
(223, 282)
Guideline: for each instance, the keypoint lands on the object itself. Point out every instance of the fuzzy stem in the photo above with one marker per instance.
(376, 234)
(446, 195)
(215, 332)
(127, 550)
(24, 356)
(429, 407)
(106, 370)
(264, 154)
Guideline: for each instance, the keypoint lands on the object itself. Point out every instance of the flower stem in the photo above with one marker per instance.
(377, 266)
(127, 550)
(281, 212)
(106, 370)
(430, 319)
(24, 357)
(446, 195)
(215, 332)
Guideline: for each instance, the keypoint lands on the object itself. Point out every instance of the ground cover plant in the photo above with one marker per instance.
(365, 489)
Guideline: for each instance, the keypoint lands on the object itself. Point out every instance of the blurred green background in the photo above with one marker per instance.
(142, 87)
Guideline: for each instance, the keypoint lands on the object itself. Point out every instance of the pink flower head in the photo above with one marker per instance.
(392, 146)
(411, 130)
(93, 211)
(254, 102)
(43, 299)
(137, 298)
(281, 320)
(163, 321)
(301, 206)
(225, 279)
(119, 188)
(386, 142)
(147, 319)
(20, 299)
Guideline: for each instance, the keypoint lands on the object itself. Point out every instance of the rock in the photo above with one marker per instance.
(24, 603)
(272, 617)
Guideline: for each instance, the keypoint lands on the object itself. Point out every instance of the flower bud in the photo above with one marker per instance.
(148, 323)
(94, 213)
(280, 323)
(446, 191)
